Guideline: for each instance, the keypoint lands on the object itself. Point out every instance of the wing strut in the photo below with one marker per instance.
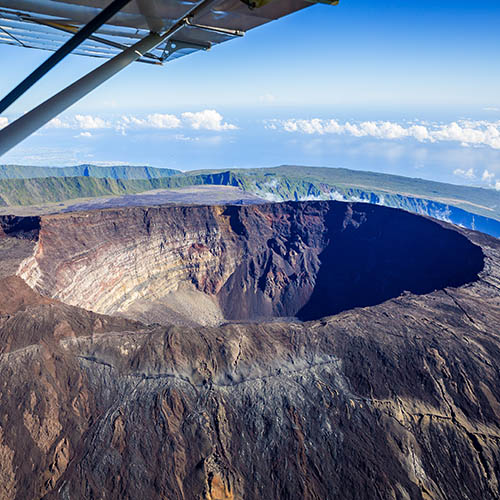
(82, 35)
(30, 122)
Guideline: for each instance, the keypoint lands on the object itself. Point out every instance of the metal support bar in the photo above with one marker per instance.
(215, 29)
(24, 126)
(13, 38)
(36, 118)
(62, 52)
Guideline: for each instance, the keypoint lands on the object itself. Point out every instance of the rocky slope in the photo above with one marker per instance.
(243, 263)
(396, 399)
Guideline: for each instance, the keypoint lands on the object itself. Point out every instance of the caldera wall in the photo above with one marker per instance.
(206, 265)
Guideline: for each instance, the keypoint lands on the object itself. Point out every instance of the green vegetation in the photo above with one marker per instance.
(56, 189)
(295, 182)
(112, 172)
(472, 207)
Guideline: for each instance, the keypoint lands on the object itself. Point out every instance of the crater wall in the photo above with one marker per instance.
(206, 265)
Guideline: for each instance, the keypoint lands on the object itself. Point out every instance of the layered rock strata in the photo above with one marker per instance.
(206, 265)
(398, 400)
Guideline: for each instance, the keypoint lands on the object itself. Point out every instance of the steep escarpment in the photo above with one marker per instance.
(36, 190)
(397, 400)
(206, 265)
(113, 172)
(40, 190)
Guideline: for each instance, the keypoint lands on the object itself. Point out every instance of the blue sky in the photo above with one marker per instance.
(353, 85)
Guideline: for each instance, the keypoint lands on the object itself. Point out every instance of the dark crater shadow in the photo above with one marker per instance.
(389, 252)
(20, 227)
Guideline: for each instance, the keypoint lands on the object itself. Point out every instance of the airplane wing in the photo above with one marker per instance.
(123, 31)
(48, 24)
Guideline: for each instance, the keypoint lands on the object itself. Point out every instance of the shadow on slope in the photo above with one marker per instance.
(375, 259)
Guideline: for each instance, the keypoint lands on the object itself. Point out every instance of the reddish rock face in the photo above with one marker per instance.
(398, 399)
(244, 263)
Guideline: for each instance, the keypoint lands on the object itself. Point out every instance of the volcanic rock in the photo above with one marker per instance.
(206, 265)
(390, 389)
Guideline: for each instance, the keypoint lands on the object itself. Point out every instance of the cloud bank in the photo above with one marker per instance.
(486, 177)
(466, 174)
(208, 119)
(466, 132)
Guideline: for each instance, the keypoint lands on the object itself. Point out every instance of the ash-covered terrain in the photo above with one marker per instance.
(297, 350)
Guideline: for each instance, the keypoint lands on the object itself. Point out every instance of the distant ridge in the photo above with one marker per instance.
(110, 172)
(487, 200)
(25, 192)
(470, 207)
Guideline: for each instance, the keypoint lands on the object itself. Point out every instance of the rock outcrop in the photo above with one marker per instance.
(397, 396)
(210, 264)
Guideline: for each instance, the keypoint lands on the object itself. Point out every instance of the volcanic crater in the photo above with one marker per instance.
(220, 391)
(208, 265)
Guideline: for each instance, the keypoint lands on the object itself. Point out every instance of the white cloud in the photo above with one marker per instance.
(467, 174)
(84, 134)
(487, 176)
(201, 120)
(185, 138)
(58, 123)
(131, 121)
(491, 108)
(154, 121)
(466, 132)
(268, 196)
(335, 195)
(3, 122)
(497, 185)
(209, 119)
(420, 133)
(312, 197)
(384, 130)
(88, 122)
(158, 120)
(293, 126)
